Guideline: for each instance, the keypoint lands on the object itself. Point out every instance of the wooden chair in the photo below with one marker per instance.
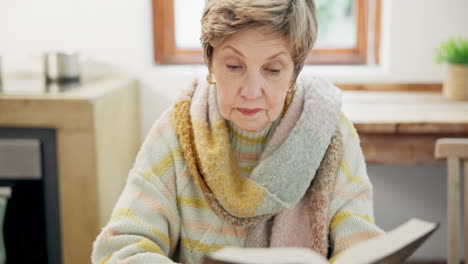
(455, 150)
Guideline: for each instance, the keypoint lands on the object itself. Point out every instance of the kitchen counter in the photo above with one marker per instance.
(97, 126)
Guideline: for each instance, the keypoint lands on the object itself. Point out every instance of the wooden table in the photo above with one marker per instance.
(402, 127)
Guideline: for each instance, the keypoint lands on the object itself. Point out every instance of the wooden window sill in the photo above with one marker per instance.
(401, 128)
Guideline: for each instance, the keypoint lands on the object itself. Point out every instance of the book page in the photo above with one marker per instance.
(394, 247)
(265, 256)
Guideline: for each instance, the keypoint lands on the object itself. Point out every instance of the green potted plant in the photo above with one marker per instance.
(454, 53)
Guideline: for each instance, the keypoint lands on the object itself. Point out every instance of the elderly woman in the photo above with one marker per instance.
(250, 156)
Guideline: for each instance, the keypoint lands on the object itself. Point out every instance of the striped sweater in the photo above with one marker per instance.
(248, 146)
(162, 215)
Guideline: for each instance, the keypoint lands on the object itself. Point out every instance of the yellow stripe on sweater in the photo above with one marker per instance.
(351, 130)
(342, 215)
(345, 168)
(127, 213)
(246, 169)
(332, 259)
(189, 201)
(164, 164)
(104, 260)
(149, 245)
(191, 244)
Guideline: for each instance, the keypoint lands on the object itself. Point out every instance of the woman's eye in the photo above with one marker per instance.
(234, 67)
(273, 71)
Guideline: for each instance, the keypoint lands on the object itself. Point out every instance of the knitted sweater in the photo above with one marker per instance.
(163, 214)
(248, 146)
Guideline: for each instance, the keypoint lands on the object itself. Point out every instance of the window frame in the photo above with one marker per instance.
(166, 52)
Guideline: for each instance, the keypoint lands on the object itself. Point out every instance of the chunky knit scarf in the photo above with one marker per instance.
(293, 179)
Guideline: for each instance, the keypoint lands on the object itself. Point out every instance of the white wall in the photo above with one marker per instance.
(418, 27)
(119, 31)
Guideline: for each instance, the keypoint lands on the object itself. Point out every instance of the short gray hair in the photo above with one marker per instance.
(294, 19)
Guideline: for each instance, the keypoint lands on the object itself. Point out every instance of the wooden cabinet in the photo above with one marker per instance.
(98, 136)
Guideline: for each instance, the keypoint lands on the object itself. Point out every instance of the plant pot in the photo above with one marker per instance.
(456, 82)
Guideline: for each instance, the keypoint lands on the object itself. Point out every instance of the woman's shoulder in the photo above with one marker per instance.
(163, 127)
(352, 164)
(347, 129)
(160, 140)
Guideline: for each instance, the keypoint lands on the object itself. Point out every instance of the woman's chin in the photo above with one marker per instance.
(251, 125)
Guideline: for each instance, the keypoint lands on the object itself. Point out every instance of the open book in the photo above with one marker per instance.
(394, 247)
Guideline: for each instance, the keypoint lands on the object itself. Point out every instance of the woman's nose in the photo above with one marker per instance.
(252, 87)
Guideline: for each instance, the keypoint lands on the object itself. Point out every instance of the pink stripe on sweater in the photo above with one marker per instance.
(364, 195)
(247, 157)
(155, 205)
(160, 209)
(109, 232)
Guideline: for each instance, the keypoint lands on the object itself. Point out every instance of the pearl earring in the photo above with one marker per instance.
(209, 79)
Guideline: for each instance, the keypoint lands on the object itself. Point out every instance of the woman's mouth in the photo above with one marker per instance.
(248, 111)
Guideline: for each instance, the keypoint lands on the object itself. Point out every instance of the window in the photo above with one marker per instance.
(349, 32)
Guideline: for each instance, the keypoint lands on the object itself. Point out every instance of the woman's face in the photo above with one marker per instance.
(253, 70)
